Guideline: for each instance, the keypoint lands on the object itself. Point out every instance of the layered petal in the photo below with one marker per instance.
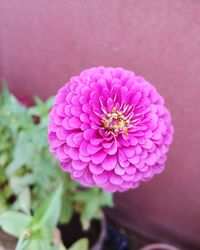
(110, 128)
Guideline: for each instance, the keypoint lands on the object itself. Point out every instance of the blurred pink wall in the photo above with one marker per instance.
(43, 43)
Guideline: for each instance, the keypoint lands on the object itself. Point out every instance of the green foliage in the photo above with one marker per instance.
(29, 173)
(34, 232)
(92, 199)
(14, 223)
(81, 244)
(48, 213)
(28, 170)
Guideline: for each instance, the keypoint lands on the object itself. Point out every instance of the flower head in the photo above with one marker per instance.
(110, 128)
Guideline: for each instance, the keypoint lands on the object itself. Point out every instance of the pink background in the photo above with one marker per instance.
(43, 43)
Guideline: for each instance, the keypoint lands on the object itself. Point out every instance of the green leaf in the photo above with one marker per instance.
(3, 203)
(38, 136)
(24, 200)
(23, 153)
(48, 213)
(41, 108)
(15, 184)
(49, 102)
(67, 209)
(91, 210)
(14, 223)
(89, 201)
(4, 93)
(34, 244)
(38, 244)
(59, 246)
(17, 108)
(39, 101)
(81, 244)
(106, 199)
(27, 180)
(84, 196)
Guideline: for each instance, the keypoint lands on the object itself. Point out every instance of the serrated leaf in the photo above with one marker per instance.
(14, 223)
(81, 244)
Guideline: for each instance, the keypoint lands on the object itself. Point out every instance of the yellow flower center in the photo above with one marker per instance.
(116, 122)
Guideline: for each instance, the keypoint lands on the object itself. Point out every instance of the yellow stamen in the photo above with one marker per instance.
(126, 131)
(114, 110)
(116, 122)
(121, 123)
(104, 123)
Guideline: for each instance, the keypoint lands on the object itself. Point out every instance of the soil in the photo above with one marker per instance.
(116, 239)
(73, 231)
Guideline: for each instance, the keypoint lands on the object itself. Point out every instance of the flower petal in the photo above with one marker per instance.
(98, 157)
(151, 159)
(134, 160)
(83, 148)
(101, 178)
(110, 162)
(75, 122)
(95, 169)
(91, 149)
(116, 180)
(119, 170)
(78, 165)
(61, 133)
(85, 118)
(113, 149)
(130, 170)
(129, 152)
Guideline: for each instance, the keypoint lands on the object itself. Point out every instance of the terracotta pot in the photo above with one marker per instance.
(159, 246)
(102, 236)
(7, 242)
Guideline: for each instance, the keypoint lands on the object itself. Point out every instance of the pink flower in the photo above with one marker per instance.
(110, 128)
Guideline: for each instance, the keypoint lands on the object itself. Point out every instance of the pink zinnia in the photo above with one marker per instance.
(110, 128)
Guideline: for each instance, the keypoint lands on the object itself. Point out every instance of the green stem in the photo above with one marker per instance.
(21, 244)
